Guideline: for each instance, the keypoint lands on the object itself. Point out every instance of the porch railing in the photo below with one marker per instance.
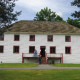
(57, 55)
(30, 55)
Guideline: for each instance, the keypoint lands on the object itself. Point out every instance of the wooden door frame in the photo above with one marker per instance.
(42, 47)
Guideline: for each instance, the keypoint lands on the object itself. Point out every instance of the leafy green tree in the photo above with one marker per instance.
(7, 14)
(47, 15)
(76, 14)
(74, 22)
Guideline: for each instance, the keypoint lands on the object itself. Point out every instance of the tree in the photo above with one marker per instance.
(47, 15)
(76, 14)
(74, 22)
(7, 14)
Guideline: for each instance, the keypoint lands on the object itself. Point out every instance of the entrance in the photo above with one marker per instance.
(42, 48)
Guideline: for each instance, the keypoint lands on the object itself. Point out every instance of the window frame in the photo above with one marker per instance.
(16, 35)
(30, 37)
(14, 51)
(52, 47)
(3, 49)
(66, 37)
(65, 49)
(29, 50)
(3, 37)
(48, 39)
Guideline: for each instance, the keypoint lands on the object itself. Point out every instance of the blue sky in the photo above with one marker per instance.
(29, 8)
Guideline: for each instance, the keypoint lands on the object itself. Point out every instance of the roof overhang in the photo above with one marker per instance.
(42, 33)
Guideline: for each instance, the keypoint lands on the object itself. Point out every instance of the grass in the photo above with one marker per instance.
(66, 65)
(17, 65)
(39, 74)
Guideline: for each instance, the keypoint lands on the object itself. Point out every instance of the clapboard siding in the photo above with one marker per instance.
(40, 40)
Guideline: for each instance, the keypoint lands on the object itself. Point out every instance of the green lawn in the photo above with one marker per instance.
(39, 74)
(17, 65)
(66, 65)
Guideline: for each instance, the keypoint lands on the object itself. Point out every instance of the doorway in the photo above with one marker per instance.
(42, 48)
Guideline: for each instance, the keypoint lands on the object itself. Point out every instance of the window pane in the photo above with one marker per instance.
(16, 37)
(32, 37)
(32, 48)
(50, 37)
(68, 50)
(16, 49)
(1, 37)
(1, 49)
(67, 38)
(52, 50)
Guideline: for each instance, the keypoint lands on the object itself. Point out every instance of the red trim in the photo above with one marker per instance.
(2, 38)
(15, 36)
(3, 49)
(52, 47)
(50, 40)
(55, 57)
(29, 49)
(30, 37)
(13, 49)
(42, 47)
(69, 40)
(70, 50)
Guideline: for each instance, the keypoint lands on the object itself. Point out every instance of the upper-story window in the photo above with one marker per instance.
(53, 50)
(50, 37)
(15, 49)
(67, 50)
(16, 37)
(67, 38)
(1, 49)
(1, 37)
(31, 49)
(32, 37)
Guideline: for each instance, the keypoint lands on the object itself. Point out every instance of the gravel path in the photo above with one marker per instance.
(40, 67)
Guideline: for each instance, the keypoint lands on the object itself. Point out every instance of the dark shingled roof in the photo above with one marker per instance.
(43, 27)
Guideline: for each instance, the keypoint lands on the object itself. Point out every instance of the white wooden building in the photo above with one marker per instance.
(57, 42)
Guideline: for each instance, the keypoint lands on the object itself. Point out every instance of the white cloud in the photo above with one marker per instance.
(59, 13)
(61, 7)
(32, 4)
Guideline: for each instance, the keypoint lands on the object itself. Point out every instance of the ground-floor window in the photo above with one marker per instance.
(1, 49)
(15, 49)
(53, 50)
(31, 49)
(67, 50)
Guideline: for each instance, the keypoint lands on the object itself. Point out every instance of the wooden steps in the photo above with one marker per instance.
(43, 61)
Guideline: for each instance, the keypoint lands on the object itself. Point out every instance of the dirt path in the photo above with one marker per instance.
(40, 67)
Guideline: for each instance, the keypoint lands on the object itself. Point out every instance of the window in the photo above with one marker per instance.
(16, 37)
(50, 37)
(1, 37)
(31, 49)
(1, 49)
(67, 38)
(53, 50)
(67, 50)
(32, 37)
(16, 49)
